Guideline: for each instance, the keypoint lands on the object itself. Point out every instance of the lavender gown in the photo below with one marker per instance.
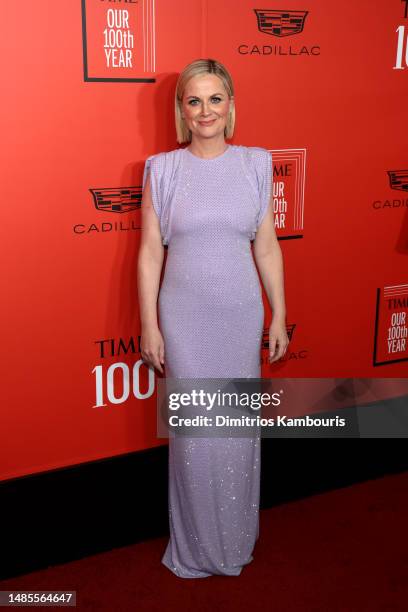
(211, 316)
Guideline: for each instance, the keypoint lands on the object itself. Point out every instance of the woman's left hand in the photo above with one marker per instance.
(278, 339)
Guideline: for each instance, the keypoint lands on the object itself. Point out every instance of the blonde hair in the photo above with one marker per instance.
(200, 67)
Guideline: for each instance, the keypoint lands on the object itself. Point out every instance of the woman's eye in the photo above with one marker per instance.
(216, 99)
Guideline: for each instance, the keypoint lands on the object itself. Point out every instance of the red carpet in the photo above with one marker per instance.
(339, 551)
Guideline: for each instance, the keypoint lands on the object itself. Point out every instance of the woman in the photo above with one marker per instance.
(207, 202)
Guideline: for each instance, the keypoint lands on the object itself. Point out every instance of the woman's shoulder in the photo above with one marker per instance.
(257, 159)
(165, 161)
(164, 164)
(254, 152)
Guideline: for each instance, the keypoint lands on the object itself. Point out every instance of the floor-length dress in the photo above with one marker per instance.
(211, 316)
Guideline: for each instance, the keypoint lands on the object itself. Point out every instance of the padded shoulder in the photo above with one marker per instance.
(162, 168)
(261, 163)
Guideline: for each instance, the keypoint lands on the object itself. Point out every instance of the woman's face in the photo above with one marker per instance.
(205, 106)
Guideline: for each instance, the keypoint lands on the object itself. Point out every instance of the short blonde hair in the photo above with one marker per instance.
(200, 67)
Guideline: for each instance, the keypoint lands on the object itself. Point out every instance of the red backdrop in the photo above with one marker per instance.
(88, 93)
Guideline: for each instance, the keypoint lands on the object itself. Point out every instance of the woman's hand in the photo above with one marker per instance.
(152, 347)
(278, 339)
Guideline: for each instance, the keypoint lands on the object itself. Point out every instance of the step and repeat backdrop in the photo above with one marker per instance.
(88, 95)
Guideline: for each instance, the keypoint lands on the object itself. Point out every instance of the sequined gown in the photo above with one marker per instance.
(211, 316)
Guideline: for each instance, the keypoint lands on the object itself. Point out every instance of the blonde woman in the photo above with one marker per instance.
(207, 202)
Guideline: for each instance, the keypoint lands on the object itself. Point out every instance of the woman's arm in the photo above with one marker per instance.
(269, 260)
(149, 266)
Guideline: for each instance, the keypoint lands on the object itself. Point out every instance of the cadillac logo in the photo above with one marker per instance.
(280, 23)
(398, 179)
(117, 199)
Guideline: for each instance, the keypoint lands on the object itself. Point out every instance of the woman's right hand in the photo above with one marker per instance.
(152, 347)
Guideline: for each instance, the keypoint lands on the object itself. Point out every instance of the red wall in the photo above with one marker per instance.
(329, 101)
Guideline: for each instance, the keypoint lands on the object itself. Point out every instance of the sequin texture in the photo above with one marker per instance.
(211, 316)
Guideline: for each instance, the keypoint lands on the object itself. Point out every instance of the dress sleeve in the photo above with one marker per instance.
(264, 173)
(162, 169)
(152, 167)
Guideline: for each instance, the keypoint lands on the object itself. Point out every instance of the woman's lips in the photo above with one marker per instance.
(206, 122)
